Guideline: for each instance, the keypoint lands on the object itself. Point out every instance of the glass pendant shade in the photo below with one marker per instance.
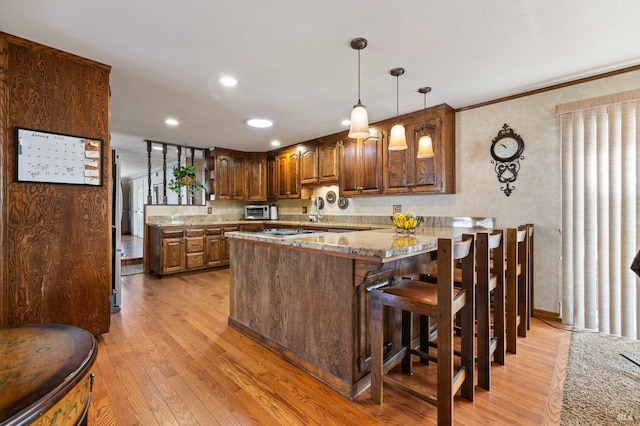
(398, 138)
(425, 147)
(359, 122)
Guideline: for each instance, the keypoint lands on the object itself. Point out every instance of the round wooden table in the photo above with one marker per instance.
(44, 374)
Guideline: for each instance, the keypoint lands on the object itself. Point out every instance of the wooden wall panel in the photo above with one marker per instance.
(57, 238)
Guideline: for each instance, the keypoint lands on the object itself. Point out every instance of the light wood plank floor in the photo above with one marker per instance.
(170, 359)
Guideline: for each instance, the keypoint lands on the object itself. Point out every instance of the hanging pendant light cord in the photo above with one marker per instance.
(397, 96)
(358, 76)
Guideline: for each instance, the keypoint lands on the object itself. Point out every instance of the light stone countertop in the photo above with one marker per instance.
(385, 244)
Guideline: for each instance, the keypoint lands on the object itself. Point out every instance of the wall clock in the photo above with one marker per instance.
(506, 149)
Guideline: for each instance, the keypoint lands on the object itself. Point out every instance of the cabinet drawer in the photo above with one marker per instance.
(172, 234)
(195, 260)
(214, 231)
(194, 233)
(195, 245)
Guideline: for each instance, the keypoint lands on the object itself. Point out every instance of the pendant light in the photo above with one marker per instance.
(359, 119)
(425, 144)
(398, 137)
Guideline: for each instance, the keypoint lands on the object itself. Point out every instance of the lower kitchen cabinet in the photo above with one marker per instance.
(173, 250)
(166, 250)
(213, 244)
(194, 248)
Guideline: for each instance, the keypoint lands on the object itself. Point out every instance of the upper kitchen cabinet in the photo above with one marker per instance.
(360, 170)
(230, 174)
(308, 163)
(272, 177)
(256, 177)
(319, 162)
(240, 175)
(288, 173)
(404, 173)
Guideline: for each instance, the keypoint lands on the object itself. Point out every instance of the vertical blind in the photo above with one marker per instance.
(600, 213)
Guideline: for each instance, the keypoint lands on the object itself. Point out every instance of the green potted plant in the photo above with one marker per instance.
(185, 176)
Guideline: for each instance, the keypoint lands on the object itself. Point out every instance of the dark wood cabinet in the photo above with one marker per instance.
(230, 175)
(189, 248)
(288, 174)
(404, 173)
(214, 240)
(319, 162)
(328, 161)
(194, 248)
(308, 163)
(173, 259)
(272, 178)
(361, 166)
(256, 177)
(240, 175)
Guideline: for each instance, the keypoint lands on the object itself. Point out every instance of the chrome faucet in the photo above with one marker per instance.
(315, 215)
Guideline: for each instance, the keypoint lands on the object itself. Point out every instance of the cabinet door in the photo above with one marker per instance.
(308, 164)
(272, 179)
(398, 167)
(225, 252)
(294, 175)
(361, 166)
(328, 162)
(424, 170)
(173, 255)
(282, 168)
(371, 165)
(224, 182)
(239, 179)
(288, 174)
(349, 180)
(213, 249)
(230, 176)
(257, 177)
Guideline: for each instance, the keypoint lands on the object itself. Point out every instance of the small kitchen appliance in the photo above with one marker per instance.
(256, 212)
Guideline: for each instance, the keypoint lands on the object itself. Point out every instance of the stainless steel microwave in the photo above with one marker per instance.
(257, 212)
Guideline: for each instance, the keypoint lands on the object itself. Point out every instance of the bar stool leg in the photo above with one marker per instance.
(376, 349)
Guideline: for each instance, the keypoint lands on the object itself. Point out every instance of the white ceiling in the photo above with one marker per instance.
(294, 62)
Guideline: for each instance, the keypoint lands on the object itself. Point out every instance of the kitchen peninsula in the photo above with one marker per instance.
(307, 297)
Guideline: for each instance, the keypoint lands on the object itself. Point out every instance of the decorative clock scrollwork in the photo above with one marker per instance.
(506, 149)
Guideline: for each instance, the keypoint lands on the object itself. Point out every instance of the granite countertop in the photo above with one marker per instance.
(271, 223)
(384, 243)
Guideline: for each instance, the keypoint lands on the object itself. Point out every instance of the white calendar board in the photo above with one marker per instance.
(57, 158)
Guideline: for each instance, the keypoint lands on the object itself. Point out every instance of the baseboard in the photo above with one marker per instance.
(547, 316)
(133, 261)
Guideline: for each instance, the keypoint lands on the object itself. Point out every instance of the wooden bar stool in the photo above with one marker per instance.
(442, 301)
(490, 296)
(513, 284)
(530, 275)
(523, 281)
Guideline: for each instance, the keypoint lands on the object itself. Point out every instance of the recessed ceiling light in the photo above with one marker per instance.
(171, 122)
(259, 122)
(227, 80)
(157, 148)
(275, 143)
(346, 122)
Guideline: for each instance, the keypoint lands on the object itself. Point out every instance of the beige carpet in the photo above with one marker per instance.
(601, 387)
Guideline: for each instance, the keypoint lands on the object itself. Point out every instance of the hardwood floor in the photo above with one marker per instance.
(170, 359)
